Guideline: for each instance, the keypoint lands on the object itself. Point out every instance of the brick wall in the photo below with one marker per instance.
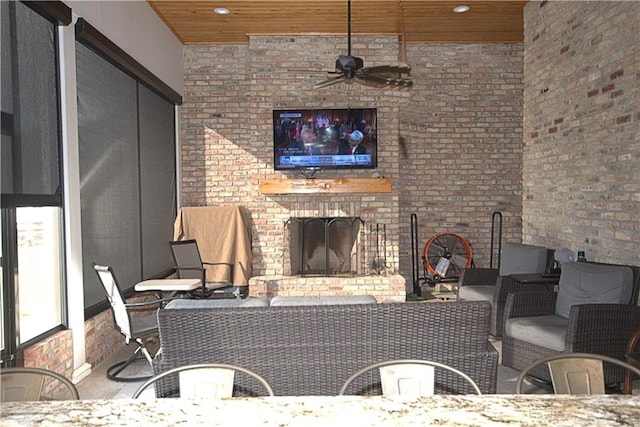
(581, 126)
(435, 141)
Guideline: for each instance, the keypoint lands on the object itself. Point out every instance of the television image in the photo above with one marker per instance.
(316, 139)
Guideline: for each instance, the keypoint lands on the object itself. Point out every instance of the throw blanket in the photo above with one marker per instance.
(222, 235)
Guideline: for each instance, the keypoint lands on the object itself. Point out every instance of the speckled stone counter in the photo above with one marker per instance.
(487, 410)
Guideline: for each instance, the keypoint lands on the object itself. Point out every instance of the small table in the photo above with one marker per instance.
(168, 285)
(544, 281)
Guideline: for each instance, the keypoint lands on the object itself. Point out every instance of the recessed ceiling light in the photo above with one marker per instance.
(461, 9)
(221, 11)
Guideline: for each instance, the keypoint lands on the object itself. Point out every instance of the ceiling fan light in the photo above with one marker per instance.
(461, 9)
(221, 11)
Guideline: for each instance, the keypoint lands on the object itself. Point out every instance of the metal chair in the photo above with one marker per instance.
(189, 265)
(633, 358)
(134, 328)
(575, 373)
(205, 380)
(407, 377)
(28, 384)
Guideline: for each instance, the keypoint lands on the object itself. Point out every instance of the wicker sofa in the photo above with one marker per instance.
(312, 349)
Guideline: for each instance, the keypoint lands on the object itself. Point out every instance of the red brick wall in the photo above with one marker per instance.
(451, 145)
(581, 127)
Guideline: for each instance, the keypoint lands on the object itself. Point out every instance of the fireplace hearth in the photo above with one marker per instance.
(323, 246)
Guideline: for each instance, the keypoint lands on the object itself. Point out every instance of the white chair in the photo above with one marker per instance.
(575, 373)
(205, 380)
(408, 377)
(134, 328)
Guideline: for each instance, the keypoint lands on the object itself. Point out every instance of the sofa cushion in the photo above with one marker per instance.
(586, 283)
(284, 300)
(545, 331)
(477, 293)
(518, 258)
(217, 303)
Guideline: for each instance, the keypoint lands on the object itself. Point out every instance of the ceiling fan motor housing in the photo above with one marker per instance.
(349, 65)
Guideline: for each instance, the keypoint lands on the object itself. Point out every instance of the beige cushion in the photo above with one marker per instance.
(585, 283)
(518, 258)
(217, 303)
(545, 331)
(477, 293)
(282, 300)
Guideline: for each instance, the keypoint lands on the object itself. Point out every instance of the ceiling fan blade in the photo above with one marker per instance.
(381, 81)
(388, 69)
(329, 82)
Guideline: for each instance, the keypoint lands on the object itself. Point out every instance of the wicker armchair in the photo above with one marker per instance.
(533, 330)
(494, 285)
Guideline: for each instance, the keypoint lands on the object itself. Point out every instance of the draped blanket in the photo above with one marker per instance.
(222, 235)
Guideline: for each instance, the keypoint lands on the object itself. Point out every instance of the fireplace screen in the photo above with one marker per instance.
(323, 246)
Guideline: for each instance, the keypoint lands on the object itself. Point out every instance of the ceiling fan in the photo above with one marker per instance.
(351, 68)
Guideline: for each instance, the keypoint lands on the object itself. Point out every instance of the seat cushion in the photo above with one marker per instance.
(518, 258)
(545, 331)
(283, 300)
(585, 283)
(217, 303)
(477, 293)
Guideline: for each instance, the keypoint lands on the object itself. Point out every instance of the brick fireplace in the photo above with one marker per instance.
(331, 249)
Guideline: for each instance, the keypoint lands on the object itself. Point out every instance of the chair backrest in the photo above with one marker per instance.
(205, 380)
(518, 258)
(586, 283)
(114, 296)
(187, 259)
(575, 373)
(28, 384)
(407, 377)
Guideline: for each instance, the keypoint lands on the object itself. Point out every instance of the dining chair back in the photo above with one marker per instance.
(189, 265)
(135, 329)
(34, 384)
(205, 380)
(408, 377)
(575, 373)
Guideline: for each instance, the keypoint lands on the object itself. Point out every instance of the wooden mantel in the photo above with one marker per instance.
(329, 186)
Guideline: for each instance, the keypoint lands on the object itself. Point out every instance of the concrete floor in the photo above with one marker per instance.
(98, 386)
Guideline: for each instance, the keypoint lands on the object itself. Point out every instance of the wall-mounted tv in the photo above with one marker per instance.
(316, 139)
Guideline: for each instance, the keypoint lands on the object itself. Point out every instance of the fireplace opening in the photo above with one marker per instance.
(324, 246)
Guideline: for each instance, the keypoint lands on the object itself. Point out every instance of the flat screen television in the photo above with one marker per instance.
(314, 139)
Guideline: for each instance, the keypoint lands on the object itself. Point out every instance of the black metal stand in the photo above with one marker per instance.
(496, 217)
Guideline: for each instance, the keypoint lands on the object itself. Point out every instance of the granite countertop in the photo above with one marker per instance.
(334, 411)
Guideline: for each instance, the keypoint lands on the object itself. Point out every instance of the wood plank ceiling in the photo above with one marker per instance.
(425, 21)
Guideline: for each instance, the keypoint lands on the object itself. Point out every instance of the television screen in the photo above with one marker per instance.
(325, 138)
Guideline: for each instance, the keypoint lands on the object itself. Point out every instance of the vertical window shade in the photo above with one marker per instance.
(157, 179)
(30, 103)
(127, 174)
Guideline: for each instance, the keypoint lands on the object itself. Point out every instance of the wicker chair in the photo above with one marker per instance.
(540, 324)
(494, 284)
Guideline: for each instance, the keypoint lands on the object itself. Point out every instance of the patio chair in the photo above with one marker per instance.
(189, 265)
(591, 313)
(204, 381)
(136, 329)
(632, 357)
(575, 373)
(407, 377)
(34, 384)
(493, 284)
